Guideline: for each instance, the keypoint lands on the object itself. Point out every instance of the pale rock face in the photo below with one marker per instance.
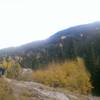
(26, 74)
(97, 28)
(63, 37)
(81, 35)
(26, 70)
(37, 91)
(60, 45)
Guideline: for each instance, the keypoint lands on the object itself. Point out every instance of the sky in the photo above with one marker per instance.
(23, 21)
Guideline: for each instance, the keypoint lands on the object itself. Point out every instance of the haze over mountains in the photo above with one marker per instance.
(79, 41)
(85, 31)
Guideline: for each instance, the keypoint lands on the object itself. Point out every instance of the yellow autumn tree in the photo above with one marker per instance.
(71, 75)
(12, 67)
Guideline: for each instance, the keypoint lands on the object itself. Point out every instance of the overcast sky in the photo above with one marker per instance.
(23, 21)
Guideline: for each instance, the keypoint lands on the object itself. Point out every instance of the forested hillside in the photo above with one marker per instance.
(79, 41)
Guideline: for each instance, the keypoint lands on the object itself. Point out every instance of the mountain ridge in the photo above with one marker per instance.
(79, 41)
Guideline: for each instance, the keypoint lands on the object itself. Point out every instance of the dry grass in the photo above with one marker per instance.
(71, 75)
(5, 91)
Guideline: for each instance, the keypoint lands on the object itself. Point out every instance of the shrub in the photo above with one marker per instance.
(71, 75)
(12, 67)
(14, 71)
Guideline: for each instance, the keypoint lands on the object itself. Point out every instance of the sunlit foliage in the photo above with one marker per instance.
(11, 66)
(71, 75)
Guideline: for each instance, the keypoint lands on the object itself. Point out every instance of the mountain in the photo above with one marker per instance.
(82, 41)
(79, 41)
